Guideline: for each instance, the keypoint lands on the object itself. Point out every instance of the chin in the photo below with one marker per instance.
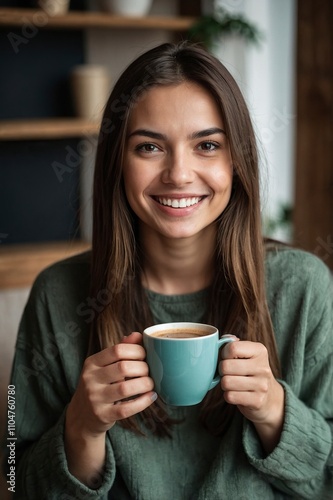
(180, 235)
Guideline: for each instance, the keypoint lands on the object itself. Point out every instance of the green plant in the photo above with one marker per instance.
(208, 29)
(281, 222)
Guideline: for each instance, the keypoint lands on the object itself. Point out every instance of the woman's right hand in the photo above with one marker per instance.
(107, 380)
(114, 384)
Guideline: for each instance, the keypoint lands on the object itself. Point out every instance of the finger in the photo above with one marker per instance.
(118, 352)
(248, 400)
(243, 349)
(133, 338)
(121, 370)
(125, 409)
(252, 367)
(240, 384)
(242, 367)
(127, 389)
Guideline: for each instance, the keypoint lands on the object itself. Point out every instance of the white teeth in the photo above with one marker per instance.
(179, 203)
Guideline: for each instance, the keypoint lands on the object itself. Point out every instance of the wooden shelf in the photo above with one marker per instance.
(56, 128)
(20, 264)
(79, 20)
(60, 128)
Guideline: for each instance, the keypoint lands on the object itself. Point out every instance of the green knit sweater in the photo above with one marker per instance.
(51, 348)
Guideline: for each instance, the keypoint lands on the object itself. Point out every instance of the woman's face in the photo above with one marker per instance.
(177, 165)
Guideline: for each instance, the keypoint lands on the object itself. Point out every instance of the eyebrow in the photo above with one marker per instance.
(195, 135)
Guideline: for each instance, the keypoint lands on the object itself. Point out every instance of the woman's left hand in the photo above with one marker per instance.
(248, 383)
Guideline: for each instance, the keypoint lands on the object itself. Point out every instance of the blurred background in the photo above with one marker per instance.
(59, 60)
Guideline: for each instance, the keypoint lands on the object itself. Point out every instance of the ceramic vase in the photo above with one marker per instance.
(135, 8)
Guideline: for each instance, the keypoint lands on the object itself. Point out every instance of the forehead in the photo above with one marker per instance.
(185, 102)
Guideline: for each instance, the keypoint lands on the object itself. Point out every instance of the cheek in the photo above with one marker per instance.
(131, 177)
(135, 183)
(222, 181)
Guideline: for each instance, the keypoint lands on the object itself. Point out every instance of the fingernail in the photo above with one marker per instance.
(230, 335)
(220, 370)
(153, 397)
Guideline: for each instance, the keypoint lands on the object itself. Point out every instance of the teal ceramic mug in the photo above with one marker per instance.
(182, 359)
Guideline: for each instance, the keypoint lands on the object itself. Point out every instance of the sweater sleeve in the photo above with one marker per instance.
(301, 465)
(43, 384)
(43, 473)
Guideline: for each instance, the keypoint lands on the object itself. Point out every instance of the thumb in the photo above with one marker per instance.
(133, 338)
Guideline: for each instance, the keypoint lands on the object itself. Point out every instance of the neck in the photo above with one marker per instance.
(178, 266)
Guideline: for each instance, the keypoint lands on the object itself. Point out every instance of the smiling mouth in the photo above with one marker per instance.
(179, 202)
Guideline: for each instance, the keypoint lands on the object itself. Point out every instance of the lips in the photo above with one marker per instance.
(178, 202)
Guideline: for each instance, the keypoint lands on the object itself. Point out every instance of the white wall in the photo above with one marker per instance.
(266, 75)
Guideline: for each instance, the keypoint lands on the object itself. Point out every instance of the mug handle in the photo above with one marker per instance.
(222, 341)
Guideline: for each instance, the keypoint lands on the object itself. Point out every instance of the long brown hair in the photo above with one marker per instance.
(237, 302)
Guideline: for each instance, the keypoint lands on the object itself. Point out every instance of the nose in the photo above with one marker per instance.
(178, 169)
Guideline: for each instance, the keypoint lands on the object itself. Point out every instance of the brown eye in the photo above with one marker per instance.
(147, 147)
(208, 146)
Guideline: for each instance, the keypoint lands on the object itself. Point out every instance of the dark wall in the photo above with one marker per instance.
(35, 72)
(37, 204)
(34, 83)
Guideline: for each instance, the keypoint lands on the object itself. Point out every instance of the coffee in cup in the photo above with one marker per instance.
(180, 333)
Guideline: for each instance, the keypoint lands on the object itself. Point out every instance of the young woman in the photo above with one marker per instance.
(177, 237)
